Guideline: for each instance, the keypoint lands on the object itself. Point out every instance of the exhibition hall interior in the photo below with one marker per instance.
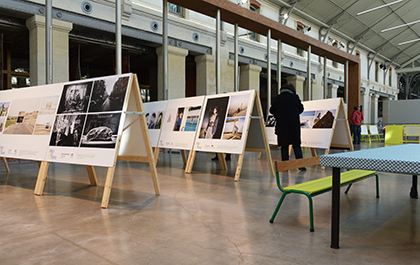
(209, 132)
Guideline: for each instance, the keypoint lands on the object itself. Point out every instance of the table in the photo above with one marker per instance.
(402, 159)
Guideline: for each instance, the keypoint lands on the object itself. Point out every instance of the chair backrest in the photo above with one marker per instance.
(412, 130)
(364, 130)
(373, 129)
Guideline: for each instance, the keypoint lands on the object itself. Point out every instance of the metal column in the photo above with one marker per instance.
(48, 42)
(268, 71)
(165, 49)
(278, 66)
(218, 57)
(309, 77)
(325, 78)
(236, 68)
(118, 38)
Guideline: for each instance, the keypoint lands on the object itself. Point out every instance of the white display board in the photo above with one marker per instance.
(155, 112)
(88, 121)
(75, 122)
(317, 123)
(26, 119)
(180, 123)
(224, 121)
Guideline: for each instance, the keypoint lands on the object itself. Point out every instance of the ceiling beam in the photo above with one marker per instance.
(232, 13)
(407, 70)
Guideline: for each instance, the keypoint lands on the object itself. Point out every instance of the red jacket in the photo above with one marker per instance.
(357, 118)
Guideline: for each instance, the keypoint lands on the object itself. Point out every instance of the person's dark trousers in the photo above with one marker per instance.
(357, 134)
(285, 152)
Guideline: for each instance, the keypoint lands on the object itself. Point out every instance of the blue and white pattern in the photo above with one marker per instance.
(403, 159)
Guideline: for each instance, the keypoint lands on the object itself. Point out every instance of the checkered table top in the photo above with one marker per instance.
(403, 159)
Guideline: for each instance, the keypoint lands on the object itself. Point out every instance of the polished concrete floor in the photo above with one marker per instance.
(200, 218)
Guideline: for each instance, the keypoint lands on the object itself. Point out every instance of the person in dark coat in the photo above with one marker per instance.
(286, 108)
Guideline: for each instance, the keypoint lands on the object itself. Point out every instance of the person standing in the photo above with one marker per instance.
(286, 108)
(356, 119)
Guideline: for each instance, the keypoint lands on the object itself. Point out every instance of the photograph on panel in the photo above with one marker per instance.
(214, 118)
(101, 130)
(307, 119)
(22, 116)
(49, 105)
(324, 119)
(178, 120)
(271, 121)
(193, 116)
(159, 120)
(67, 130)
(238, 105)
(2, 119)
(108, 94)
(152, 120)
(4, 106)
(44, 124)
(75, 98)
(234, 127)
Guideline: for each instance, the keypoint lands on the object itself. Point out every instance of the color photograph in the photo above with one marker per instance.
(159, 120)
(108, 94)
(271, 121)
(101, 130)
(2, 119)
(44, 124)
(238, 105)
(192, 118)
(67, 130)
(22, 116)
(152, 120)
(4, 106)
(178, 120)
(324, 119)
(213, 118)
(234, 127)
(307, 119)
(75, 98)
(49, 105)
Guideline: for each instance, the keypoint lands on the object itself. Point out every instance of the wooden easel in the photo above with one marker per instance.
(340, 138)
(134, 109)
(6, 165)
(256, 127)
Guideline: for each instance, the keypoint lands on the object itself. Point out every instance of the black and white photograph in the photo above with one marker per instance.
(101, 130)
(108, 94)
(75, 98)
(67, 130)
(214, 118)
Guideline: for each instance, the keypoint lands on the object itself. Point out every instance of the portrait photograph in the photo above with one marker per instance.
(214, 118)
(75, 98)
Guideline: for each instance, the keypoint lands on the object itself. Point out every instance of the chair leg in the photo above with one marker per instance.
(311, 213)
(348, 188)
(377, 185)
(278, 207)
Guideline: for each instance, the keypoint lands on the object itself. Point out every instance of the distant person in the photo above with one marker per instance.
(356, 119)
(286, 108)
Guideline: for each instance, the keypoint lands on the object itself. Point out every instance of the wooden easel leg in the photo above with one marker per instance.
(108, 187)
(239, 167)
(222, 161)
(156, 155)
(42, 178)
(190, 162)
(313, 152)
(259, 155)
(155, 180)
(92, 175)
(6, 165)
(184, 157)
